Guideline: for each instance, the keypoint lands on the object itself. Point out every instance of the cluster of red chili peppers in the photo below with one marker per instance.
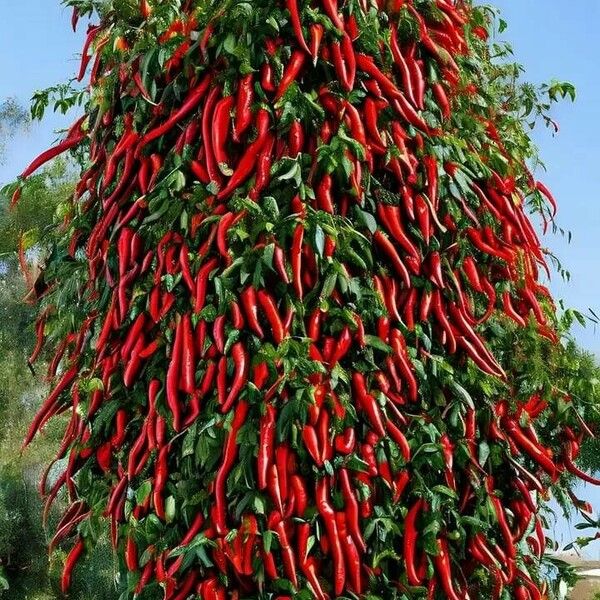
(179, 382)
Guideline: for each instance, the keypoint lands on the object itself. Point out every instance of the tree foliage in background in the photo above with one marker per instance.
(442, 437)
(26, 570)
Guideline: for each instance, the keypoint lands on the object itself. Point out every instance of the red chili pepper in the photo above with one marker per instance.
(371, 111)
(346, 443)
(391, 217)
(267, 303)
(410, 542)
(300, 496)
(311, 443)
(324, 194)
(292, 6)
(202, 284)
(368, 403)
(207, 128)
(344, 75)
(287, 553)
(243, 113)
(353, 559)
(296, 259)
(534, 451)
(188, 357)
(331, 10)
(402, 65)
(442, 99)
(70, 563)
(279, 264)
(398, 344)
(444, 570)
(241, 363)
(263, 169)
(352, 510)
(173, 374)
(572, 467)
(316, 37)
(435, 270)
(229, 455)
(248, 160)
(220, 133)
(384, 243)
(328, 515)
(192, 100)
(291, 72)
(49, 404)
(249, 302)
(267, 441)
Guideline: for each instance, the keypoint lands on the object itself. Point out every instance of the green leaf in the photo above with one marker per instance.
(170, 509)
(143, 492)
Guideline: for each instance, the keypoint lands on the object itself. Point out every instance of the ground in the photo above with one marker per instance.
(588, 586)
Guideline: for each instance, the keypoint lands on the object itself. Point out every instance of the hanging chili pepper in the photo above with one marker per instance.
(220, 133)
(243, 113)
(241, 362)
(188, 358)
(229, 455)
(292, 6)
(248, 160)
(267, 303)
(444, 570)
(191, 102)
(383, 242)
(173, 373)
(291, 72)
(328, 515)
(249, 301)
(410, 542)
(70, 563)
(202, 284)
(267, 442)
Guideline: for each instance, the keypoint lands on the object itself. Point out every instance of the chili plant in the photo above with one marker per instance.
(288, 304)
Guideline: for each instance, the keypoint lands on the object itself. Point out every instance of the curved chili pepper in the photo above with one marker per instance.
(444, 570)
(250, 303)
(207, 124)
(188, 358)
(202, 284)
(383, 242)
(328, 515)
(291, 72)
(173, 373)
(292, 6)
(220, 132)
(240, 361)
(266, 451)
(192, 100)
(267, 303)
(410, 542)
(243, 112)
(263, 169)
(229, 455)
(248, 160)
(72, 560)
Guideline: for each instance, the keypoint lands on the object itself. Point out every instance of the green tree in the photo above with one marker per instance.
(13, 117)
(26, 570)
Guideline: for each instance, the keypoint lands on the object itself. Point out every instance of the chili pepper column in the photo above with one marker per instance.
(283, 356)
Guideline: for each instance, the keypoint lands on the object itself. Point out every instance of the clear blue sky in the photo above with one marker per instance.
(37, 49)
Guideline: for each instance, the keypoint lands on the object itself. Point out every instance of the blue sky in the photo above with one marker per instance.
(37, 49)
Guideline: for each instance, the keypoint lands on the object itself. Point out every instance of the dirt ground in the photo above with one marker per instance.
(585, 590)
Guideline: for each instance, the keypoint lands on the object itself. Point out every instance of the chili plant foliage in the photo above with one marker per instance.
(291, 303)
